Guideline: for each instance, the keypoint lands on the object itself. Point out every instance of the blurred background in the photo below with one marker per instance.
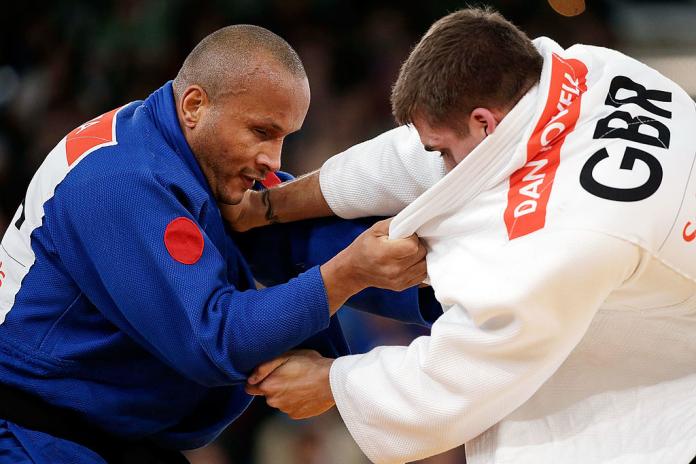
(65, 62)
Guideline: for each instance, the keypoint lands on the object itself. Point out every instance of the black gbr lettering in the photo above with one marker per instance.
(612, 127)
(631, 154)
(643, 97)
(632, 132)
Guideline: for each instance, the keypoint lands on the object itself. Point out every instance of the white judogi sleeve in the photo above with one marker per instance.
(381, 176)
(514, 315)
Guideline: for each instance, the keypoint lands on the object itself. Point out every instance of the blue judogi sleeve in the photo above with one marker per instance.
(279, 252)
(111, 238)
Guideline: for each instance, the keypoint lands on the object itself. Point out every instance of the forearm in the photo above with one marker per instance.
(288, 202)
(258, 325)
(299, 199)
(378, 177)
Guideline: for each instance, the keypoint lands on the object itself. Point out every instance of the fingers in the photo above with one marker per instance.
(420, 253)
(230, 212)
(401, 248)
(300, 387)
(418, 272)
(306, 353)
(245, 215)
(416, 253)
(413, 270)
(403, 263)
(377, 261)
(263, 370)
(254, 390)
(412, 276)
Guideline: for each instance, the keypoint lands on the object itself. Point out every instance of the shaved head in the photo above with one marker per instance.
(227, 58)
(239, 93)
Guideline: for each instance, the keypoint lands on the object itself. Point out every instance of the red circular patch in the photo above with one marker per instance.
(183, 240)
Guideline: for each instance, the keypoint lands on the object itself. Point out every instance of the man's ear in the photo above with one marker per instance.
(193, 103)
(482, 122)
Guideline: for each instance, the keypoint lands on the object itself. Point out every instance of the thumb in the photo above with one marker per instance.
(381, 227)
(404, 247)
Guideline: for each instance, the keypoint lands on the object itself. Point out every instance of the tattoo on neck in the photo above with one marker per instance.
(271, 217)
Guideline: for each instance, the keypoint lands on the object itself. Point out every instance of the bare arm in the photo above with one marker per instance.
(288, 202)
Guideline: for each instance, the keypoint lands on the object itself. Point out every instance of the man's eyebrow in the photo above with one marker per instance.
(271, 124)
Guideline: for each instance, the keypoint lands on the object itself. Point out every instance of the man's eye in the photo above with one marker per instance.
(261, 132)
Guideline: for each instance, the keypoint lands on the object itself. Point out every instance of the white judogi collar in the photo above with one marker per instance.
(490, 163)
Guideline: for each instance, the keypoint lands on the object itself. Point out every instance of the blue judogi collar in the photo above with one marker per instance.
(162, 104)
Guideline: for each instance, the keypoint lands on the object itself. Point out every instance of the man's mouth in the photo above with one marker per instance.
(249, 181)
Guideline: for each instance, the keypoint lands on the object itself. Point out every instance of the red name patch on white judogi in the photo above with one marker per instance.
(530, 186)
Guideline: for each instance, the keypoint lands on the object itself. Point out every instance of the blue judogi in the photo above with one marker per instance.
(119, 318)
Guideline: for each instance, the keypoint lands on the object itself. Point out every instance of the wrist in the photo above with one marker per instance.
(296, 200)
(326, 380)
(269, 213)
(255, 211)
(340, 280)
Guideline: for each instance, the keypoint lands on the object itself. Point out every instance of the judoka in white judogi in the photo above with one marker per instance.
(564, 251)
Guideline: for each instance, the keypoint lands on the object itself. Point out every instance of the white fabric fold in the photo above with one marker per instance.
(498, 156)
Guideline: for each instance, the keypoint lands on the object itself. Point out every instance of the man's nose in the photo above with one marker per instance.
(270, 158)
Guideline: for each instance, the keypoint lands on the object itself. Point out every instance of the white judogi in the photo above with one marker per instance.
(568, 275)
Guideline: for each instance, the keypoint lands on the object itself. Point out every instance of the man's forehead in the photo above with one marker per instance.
(275, 100)
(262, 73)
(266, 68)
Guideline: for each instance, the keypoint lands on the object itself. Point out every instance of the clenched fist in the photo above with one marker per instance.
(297, 383)
(374, 260)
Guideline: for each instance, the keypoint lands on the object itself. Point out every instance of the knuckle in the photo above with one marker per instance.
(267, 386)
(261, 388)
(395, 272)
